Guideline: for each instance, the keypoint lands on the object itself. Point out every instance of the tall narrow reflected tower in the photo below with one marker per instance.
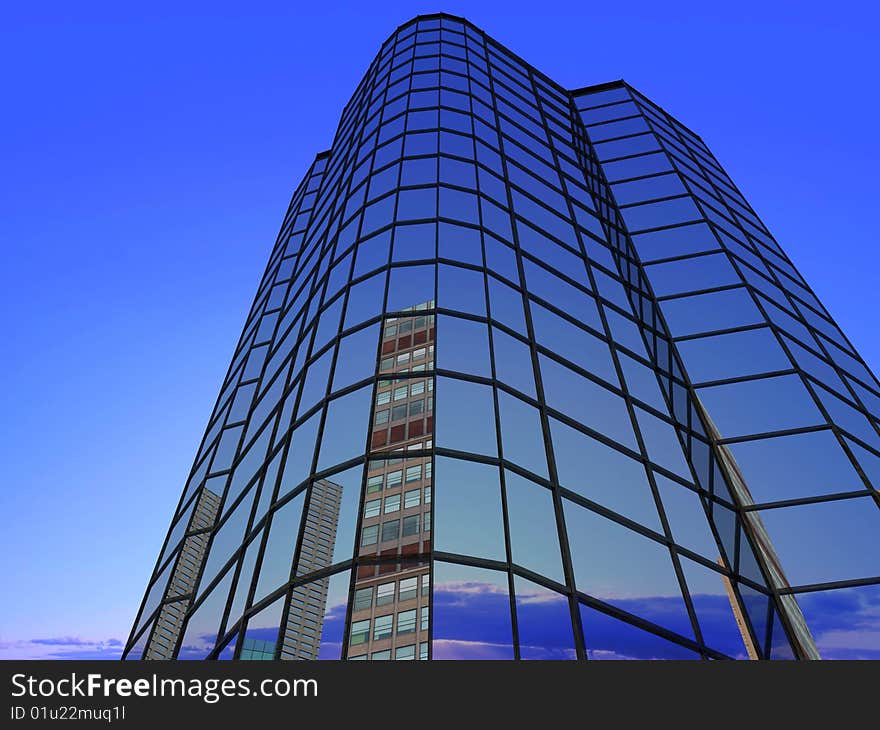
(526, 377)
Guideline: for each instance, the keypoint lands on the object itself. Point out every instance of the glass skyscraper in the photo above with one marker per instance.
(525, 378)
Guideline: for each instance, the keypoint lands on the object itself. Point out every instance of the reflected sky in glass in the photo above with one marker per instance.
(471, 613)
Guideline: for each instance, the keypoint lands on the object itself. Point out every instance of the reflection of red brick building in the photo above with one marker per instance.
(390, 605)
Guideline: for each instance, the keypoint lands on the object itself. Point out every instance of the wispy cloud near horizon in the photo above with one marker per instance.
(61, 647)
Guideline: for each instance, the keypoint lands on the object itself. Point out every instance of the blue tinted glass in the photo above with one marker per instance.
(461, 289)
(457, 172)
(345, 428)
(333, 624)
(365, 299)
(598, 98)
(586, 401)
(521, 434)
(609, 638)
(686, 275)
(543, 622)
(710, 312)
(377, 215)
(414, 242)
(573, 343)
(457, 428)
(603, 475)
(513, 362)
(562, 295)
(534, 541)
(759, 406)
(343, 488)
(226, 449)
(422, 171)
(460, 244)
(733, 355)
(277, 563)
(203, 625)
(300, 455)
(637, 166)
(243, 584)
(625, 569)
(356, 359)
(315, 384)
(611, 130)
(828, 541)
(679, 241)
(471, 613)
(507, 306)
(849, 419)
(715, 613)
(662, 444)
(800, 465)
(227, 540)
(869, 462)
(459, 205)
(626, 147)
(844, 622)
(467, 509)
(415, 204)
(241, 403)
(409, 286)
(641, 382)
(660, 186)
(687, 518)
(501, 260)
(463, 346)
(625, 333)
(261, 636)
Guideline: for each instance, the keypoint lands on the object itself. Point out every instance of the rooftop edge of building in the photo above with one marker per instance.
(570, 93)
(617, 83)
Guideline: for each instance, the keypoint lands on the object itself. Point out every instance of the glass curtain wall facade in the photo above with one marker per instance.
(525, 378)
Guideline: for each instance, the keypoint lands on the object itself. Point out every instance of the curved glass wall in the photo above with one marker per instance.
(525, 378)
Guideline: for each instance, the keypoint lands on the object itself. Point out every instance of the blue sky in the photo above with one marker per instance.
(148, 156)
